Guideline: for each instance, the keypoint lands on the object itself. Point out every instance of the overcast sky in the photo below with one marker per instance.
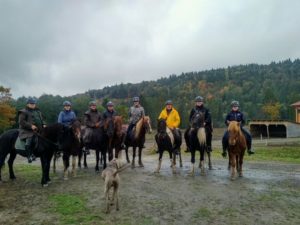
(68, 47)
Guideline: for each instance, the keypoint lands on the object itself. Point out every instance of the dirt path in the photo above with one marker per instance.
(269, 193)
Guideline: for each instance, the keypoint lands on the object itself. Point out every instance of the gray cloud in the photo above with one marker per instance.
(67, 47)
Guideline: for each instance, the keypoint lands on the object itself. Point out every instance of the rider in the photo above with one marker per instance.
(67, 116)
(136, 112)
(199, 108)
(110, 112)
(30, 121)
(170, 114)
(236, 115)
(92, 121)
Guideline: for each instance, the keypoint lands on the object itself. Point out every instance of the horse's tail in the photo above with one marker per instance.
(121, 169)
(201, 135)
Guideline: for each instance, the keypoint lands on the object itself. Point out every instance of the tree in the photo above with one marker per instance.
(272, 110)
(7, 112)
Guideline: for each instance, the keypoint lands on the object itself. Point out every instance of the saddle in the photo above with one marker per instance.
(20, 144)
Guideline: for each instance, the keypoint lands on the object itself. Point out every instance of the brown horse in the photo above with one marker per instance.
(137, 139)
(236, 149)
(115, 135)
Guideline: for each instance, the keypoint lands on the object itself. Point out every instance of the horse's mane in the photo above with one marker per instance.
(234, 126)
(201, 135)
(140, 124)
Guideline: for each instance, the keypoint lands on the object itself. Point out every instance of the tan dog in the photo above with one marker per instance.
(112, 180)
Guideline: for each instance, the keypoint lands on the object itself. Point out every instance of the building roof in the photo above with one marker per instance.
(296, 104)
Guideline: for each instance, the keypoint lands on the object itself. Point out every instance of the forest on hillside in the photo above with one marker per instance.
(264, 92)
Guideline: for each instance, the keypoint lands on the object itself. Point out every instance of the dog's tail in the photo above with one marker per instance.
(121, 169)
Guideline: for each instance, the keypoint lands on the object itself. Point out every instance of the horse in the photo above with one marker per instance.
(196, 140)
(70, 142)
(236, 148)
(165, 141)
(98, 143)
(44, 147)
(114, 135)
(137, 139)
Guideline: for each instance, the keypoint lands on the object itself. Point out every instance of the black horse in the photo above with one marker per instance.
(70, 144)
(97, 142)
(44, 147)
(165, 142)
(196, 140)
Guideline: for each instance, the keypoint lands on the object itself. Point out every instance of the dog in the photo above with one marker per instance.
(112, 180)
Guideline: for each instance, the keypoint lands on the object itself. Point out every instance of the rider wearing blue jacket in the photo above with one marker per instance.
(236, 115)
(67, 116)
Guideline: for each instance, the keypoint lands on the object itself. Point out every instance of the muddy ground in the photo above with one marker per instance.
(269, 193)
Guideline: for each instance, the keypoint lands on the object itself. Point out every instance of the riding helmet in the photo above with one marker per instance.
(199, 99)
(31, 100)
(169, 102)
(110, 103)
(135, 99)
(92, 103)
(67, 103)
(235, 104)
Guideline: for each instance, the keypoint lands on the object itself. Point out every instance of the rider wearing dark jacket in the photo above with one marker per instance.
(110, 112)
(199, 108)
(236, 115)
(30, 121)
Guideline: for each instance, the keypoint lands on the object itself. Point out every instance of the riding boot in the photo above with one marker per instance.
(250, 151)
(28, 153)
(224, 153)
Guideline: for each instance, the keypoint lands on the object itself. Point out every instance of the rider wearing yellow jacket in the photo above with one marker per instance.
(173, 120)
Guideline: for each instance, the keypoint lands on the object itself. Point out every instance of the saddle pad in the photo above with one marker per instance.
(20, 144)
(170, 134)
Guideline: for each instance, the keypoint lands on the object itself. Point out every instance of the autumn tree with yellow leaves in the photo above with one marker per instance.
(7, 112)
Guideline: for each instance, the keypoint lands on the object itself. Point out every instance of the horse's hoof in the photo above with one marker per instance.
(240, 175)
(66, 178)
(156, 171)
(12, 178)
(232, 178)
(141, 165)
(128, 161)
(181, 165)
(85, 167)
(49, 182)
(45, 185)
(210, 168)
(203, 174)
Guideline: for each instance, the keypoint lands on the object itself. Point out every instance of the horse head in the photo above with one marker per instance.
(161, 126)
(234, 131)
(109, 126)
(198, 120)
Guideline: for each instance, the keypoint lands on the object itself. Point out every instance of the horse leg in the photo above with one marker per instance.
(103, 153)
(202, 165)
(97, 161)
(54, 164)
(48, 159)
(66, 159)
(173, 163)
(43, 163)
(180, 159)
(79, 159)
(241, 165)
(140, 157)
(159, 161)
(133, 157)
(110, 153)
(209, 161)
(192, 171)
(127, 157)
(84, 161)
(74, 165)
(233, 166)
(10, 163)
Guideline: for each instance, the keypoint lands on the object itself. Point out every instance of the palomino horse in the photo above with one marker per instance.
(196, 140)
(114, 134)
(165, 141)
(44, 147)
(70, 143)
(137, 139)
(236, 148)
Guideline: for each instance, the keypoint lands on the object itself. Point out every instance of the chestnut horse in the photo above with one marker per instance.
(236, 148)
(114, 134)
(165, 142)
(137, 139)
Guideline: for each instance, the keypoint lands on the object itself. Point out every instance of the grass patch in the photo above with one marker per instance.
(203, 213)
(28, 172)
(288, 154)
(72, 209)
